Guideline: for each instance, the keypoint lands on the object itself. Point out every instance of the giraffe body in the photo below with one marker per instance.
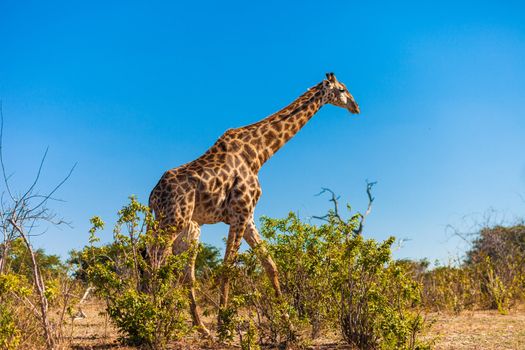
(216, 187)
(222, 185)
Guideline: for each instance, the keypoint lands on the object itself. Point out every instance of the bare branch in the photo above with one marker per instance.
(46, 197)
(335, 200)
(334, 213)
(369, 186)
(457, 233)
(27, 302)
(37, 177)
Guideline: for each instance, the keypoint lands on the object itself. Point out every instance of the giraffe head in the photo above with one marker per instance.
(338, 95)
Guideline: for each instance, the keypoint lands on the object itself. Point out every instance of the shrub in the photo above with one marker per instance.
(499, 243)
(376, 298)
(145, 301)
(19, 261)
(492, 276)
(450, 288)
(20, 322)
(252, 294)
(331, 277)
(306, 258)
(10, 333)
(498, 255)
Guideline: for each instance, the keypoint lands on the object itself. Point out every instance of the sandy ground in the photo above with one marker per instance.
(483, 330)
(479, 330)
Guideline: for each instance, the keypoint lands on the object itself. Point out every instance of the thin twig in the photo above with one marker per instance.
(37, 177)
(28, 303)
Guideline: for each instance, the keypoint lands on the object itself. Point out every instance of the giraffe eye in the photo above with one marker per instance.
(341, 90)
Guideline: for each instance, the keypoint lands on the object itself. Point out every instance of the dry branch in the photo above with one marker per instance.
(334, 213)
(40, 289)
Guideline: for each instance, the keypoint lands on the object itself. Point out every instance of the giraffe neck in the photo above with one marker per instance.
(267, 136)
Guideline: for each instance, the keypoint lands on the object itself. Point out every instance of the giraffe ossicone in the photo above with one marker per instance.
(222, 185)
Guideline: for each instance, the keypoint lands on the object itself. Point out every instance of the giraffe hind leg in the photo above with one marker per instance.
(233, 243)
(188, 239)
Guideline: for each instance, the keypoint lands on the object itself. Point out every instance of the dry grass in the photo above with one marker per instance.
(483, 330)
(95, 331)
(479, 330)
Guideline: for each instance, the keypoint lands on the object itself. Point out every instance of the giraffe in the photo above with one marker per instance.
(222, 185)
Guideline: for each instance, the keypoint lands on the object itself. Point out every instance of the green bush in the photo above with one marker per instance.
(377, 297)
(252, 294)
(20, 322)
(10, 333)
(492, 276)
(146, 302)
(307, 259)
(451, 288)
(331, 278)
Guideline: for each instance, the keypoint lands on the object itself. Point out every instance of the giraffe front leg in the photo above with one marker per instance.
(252, 237)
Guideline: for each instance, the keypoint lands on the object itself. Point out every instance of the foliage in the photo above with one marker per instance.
(307, 258)
(20, 324)
(253, 294)
(208, 260)
(330, 277)
(377, 298)
(250, 340)
(10, 333)
(144, 300)
(450, 288)
(498, 255)
(492, 276)
(18, 261)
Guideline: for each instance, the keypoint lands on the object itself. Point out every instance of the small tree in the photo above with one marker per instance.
(146, 302)
(21, 213)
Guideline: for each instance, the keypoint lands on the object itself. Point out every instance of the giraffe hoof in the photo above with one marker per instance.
(204, 332)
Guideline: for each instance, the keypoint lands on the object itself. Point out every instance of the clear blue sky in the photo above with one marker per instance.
(129, 90)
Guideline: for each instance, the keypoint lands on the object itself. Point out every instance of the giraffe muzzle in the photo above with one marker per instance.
(354, 108)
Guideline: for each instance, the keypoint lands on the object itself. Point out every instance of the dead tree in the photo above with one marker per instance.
(334, 214)
(21, 213)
